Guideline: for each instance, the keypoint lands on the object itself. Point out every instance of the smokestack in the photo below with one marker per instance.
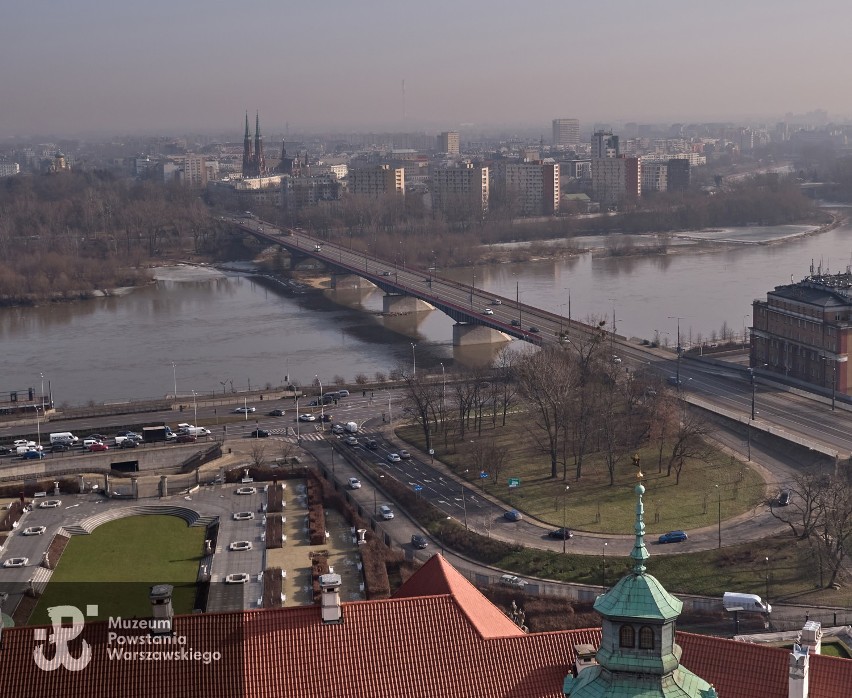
(330, 598)
(161, 607)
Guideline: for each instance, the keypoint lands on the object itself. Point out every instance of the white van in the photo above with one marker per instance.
(185, 428)
(734, 601)
(351, 427)
(63, 437)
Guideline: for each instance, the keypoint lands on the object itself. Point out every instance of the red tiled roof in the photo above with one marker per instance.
(438, 576)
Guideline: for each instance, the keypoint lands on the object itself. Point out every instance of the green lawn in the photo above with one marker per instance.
(591, 504)
(115, 566)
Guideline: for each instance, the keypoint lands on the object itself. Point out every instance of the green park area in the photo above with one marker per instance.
(115, 566)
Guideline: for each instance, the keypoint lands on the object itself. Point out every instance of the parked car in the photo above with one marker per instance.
(16, 562)
(354, 483)
(184, 439)
(32, 455)
(99, 446)
(510, 580)
(259, 434)
(488, 311)
(418, 541)
(385, 512)
(405, 455)
(246, 490)
(561, 533)
(276, 413)
(784, 498)
(512, 515)
(307, 418)
(393, 458)
(673, 537)
(239, 545)
(237, 578)
(245, 410)
(34, 531)
(243, 515)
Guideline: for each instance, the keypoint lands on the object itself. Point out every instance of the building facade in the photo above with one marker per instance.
(533, 187)
(803, 331)
(376, 181)
(655, 176)
(604, 145)
(566, 132)
(449, 142)
(465, 186)
(616, 178)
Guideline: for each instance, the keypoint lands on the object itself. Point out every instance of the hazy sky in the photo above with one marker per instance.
(91, 66)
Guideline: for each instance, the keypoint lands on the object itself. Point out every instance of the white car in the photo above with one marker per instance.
(245, 410)
(488, 311)
(496, 301)
(240, 545)
(385, 512)
(34, 531)
(16, 562)
(237, 578)
(354, 483)
(307, 418)
(337, 429)
(88, 443)
(394, 458)
(243, 515)
(616, 359)
(246, 490)
(50, 504)
(510, 580)
(24, 442)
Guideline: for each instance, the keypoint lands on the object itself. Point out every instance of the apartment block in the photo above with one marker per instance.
(566, 132)
(532, 186)
(449, 142)
(465, 186)
(614, 179)
(376, 181)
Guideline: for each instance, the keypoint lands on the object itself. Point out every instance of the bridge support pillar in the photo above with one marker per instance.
(466, 335)
(399, 305)
(349, 281)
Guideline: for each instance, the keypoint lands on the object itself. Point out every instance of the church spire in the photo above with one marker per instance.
(640, 552)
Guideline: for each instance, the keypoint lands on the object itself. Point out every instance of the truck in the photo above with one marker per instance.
(153, 434)
(185, 428)
(351, 427)
(734, 601)
(63, 437)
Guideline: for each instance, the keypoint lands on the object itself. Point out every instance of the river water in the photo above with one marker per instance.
(223, 330)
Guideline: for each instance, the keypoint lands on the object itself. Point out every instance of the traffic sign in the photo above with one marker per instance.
(417, 488)
(483, 474)
(431, 451)
(514, 482)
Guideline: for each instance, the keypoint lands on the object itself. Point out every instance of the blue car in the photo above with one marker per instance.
(512, 515)
(673, 537)
(32, 455)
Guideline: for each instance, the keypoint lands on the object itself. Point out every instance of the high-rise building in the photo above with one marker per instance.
(614, 179)
(678, 174)
(532, 187)
(377, 181)
(464, 187)
(566, 132)
(604, 145)
(449, 142)
(655, 176)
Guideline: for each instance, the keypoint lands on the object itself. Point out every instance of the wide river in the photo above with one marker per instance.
(222, 330)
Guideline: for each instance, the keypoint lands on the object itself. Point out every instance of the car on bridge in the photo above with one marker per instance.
(516, 323)
(496, 301)
(32, 455)
(99, 446)
(534, 329)
(488, 311)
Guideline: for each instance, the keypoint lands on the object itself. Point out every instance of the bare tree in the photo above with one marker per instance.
(421, 401)
(257, 455)
(689, 441)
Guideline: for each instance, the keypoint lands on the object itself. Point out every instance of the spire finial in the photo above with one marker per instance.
(248, 133)
(640, 552)
(257, 124)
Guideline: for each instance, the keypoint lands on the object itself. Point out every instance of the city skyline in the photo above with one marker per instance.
(87, 69)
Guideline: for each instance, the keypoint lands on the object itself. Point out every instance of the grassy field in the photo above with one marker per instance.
(591, 504)
(115, 566)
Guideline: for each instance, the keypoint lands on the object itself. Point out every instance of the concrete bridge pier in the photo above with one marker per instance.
(398, 305)
(466, 335)
(349, 281)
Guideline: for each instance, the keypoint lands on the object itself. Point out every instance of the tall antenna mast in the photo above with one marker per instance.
(403, 100)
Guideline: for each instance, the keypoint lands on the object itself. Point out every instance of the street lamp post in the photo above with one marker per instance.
(298, 421)
(464, 503)
(833, 378)
(565, 518)
(413, 359)
(603, 565)
(679, 349)
(719, 493)
(766, 600)
(174, 378)
(321, 403)
(194, 409)
(42, 392)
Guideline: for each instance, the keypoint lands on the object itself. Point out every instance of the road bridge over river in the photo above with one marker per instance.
(481, 317)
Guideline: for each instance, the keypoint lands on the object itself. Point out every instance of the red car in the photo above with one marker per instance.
(98, 447)
(186, 438)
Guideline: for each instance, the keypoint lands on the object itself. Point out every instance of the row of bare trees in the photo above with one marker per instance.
(820, 512)
(575, 401)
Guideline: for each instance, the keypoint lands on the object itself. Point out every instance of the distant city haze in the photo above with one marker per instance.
(91, 68)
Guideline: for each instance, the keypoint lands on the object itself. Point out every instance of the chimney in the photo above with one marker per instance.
(584, 658)
(810, 637)
(330, 598)
(161, 607)
(799, 664)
